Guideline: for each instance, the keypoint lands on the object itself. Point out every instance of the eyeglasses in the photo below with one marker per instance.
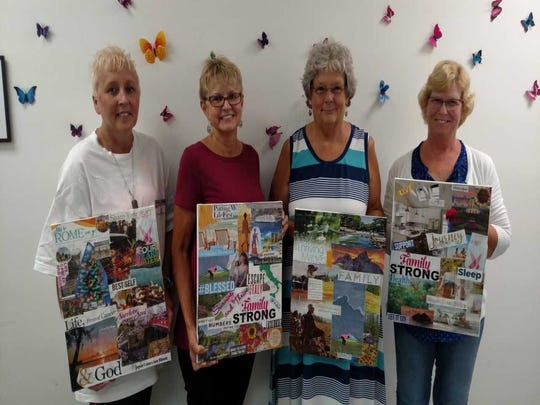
(451, 103)
(322, 91)
(218, 100)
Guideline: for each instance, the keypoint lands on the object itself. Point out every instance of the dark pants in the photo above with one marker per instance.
(140, 398)
(225, 383)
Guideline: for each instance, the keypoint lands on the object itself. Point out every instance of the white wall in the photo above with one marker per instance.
(504, 124)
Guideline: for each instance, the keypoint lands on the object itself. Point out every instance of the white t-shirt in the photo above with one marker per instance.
(92, 183)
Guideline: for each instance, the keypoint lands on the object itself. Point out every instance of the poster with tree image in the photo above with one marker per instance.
(337, 277)
(438, 252)
(111, 297)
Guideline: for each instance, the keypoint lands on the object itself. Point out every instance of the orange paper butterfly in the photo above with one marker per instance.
(159, 49)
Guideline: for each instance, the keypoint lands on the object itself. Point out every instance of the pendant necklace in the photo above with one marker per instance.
(134, 203)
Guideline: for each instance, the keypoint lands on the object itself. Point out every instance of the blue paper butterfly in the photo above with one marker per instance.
(477, 57)
(528, 23)
(263, 41)
(28, 97)
(42, 31)
(76, 130)
(382, 91)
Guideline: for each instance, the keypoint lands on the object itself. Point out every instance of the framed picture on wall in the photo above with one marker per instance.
(5, 135)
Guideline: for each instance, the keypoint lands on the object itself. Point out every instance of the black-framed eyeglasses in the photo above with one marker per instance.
(335, 90)
(218, 100)
(451, 103)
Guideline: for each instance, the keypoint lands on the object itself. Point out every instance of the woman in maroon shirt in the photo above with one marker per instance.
(217, 169)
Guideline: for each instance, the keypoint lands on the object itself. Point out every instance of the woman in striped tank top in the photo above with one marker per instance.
(328, 165)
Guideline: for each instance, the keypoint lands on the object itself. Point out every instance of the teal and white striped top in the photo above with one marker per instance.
(341, 185)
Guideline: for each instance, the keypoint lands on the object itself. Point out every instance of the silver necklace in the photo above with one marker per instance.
(134, 203)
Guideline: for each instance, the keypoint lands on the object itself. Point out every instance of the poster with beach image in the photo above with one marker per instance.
(111, 296)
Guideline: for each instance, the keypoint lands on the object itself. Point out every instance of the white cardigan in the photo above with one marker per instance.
(481, 171)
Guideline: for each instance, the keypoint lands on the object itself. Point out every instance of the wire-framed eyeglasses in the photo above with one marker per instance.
(335, 90)
(451, 103)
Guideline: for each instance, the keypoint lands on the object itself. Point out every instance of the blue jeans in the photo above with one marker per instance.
(454, 365)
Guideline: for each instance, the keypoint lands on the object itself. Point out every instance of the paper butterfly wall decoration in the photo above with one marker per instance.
(477, 57)
(76, 130)
(534, 92)
(496, 9)
(212, 55)
(42, 30)
(475, 261)
(263, 41)
(274, 135)
(28, 97)
(528, 23)
(383, 88)
(125, 3)
(159, 49)
(437, 34)
(147, 235)
(387, 18)
(166, 114)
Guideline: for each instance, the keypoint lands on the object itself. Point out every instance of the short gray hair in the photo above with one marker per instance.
(329, 56)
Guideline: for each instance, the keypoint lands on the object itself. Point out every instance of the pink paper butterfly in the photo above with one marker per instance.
(534, 92)
(387, 18)
(147, 235)
(496, 9)
(274, 134)
(475, 262)
(437, 34)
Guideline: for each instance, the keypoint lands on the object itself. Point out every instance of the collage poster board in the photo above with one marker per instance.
(239, 278)
(111, 295)
(337, 278)
(438, 252)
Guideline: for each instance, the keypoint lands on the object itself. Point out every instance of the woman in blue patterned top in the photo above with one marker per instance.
(446, 101)
(328, 165)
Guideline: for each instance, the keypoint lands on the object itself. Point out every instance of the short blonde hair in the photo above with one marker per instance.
(110, 59)
(221, 69)
(445, 74)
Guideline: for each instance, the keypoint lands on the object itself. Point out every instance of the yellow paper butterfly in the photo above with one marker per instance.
(159, 49)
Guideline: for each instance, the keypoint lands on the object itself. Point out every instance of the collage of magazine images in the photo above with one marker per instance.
(111, 296)
(239, 283)
(438, 251)
(337, 278)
